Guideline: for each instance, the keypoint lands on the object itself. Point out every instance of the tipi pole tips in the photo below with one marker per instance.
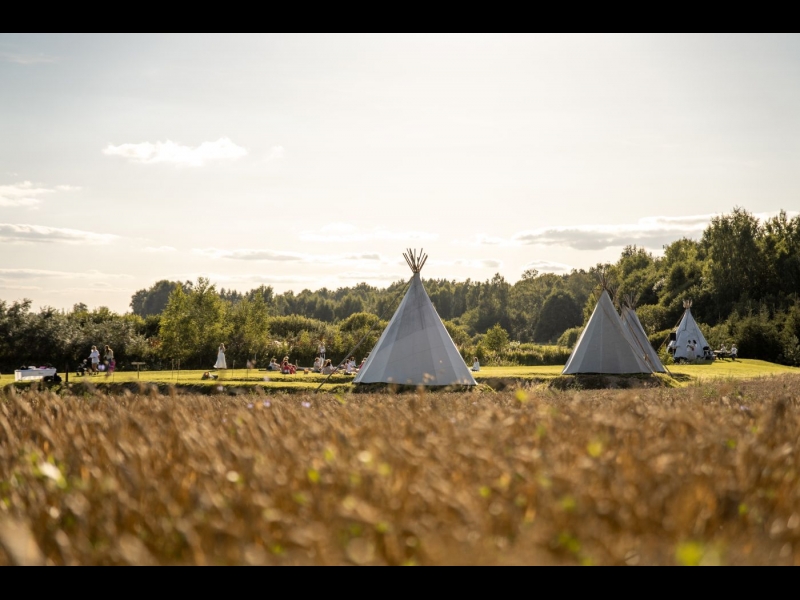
(415, 261)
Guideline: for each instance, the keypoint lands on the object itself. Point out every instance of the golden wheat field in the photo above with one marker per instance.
(705, 474)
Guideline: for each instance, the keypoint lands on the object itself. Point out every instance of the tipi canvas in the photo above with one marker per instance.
(688, 331)
(604, 346)
(631, 322)
(415, 348)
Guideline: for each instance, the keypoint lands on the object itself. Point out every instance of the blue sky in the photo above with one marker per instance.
(310, 161)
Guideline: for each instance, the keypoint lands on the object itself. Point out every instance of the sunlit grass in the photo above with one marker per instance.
(725, 369)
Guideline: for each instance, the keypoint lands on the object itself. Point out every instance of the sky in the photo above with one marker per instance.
(315, 161)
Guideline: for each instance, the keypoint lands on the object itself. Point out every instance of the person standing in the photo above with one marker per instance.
(94, 357)
(221, 364)
(734, 351)
(108, 357)
(321, 350)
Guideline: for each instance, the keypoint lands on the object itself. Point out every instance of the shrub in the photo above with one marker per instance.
(570, 337)
(757, 337)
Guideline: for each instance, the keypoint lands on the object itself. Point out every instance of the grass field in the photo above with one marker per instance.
(699, 474)
(721, 370)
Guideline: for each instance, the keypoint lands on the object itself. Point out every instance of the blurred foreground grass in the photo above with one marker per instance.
(704, 474)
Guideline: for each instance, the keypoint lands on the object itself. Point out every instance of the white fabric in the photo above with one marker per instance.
(220, 364)
(605, 346)
(415, 348)
(634, 327)
(686, 332)
(33, 374)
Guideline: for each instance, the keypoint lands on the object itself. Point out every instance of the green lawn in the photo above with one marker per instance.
(727, 369)
(740, 369)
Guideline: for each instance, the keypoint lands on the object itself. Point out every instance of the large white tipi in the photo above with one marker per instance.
(605, 346)
(415, 348)
(688, 331)
(631, 322)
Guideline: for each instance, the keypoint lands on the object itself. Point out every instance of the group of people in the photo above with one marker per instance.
(693, 354)
(732, 353)
(94, 366)
(321, 365)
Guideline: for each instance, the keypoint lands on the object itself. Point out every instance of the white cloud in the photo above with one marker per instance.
(548, 266)
(22, 194)
(248, 254)
(486, 263)
(27, 59)
(26, 274)
(648, 232)
(371, 276)
(22, 288)
(172, 153)
(20, 233)
(69, 188)
(344, 232)
(276, 153)
(159, 249)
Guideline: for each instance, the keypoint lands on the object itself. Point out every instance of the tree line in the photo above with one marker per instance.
(743, 276)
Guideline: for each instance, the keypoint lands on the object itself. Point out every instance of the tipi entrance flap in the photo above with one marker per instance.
(415, 347)
(688, 331)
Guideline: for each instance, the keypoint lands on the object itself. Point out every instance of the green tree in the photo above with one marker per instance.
(249, 337)
(193, 324)
(735, 265)
(153, 300)
(559, 313)
(496, 339)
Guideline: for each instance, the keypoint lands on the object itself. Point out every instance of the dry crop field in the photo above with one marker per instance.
(703, 474)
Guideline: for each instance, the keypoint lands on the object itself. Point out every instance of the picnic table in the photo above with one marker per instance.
(138, 364)
(33, 374)
(720, 354)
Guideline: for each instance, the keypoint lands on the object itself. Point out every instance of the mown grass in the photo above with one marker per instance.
(686, 374)
(704, 474)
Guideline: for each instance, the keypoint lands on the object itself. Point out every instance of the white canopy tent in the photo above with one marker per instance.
(688, 331)
(605, 346)
(634, 327)
(415, 348)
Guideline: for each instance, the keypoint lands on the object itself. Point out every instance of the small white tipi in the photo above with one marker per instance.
(415, 348)
(631, 322)
(688, 331)
(605, 346)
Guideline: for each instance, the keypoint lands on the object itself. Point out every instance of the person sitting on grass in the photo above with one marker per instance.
(273, 365)
(350, 365)
(317, 365)
(288, 368)
(476, 365)
(328, 368)
(82, 368)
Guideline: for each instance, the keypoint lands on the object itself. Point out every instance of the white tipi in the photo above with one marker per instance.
(604, 345)
(415, 348)
(688, 331)
(631, 322)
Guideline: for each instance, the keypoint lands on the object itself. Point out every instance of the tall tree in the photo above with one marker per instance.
(153, 300)
(735, 264)
(559, 313)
